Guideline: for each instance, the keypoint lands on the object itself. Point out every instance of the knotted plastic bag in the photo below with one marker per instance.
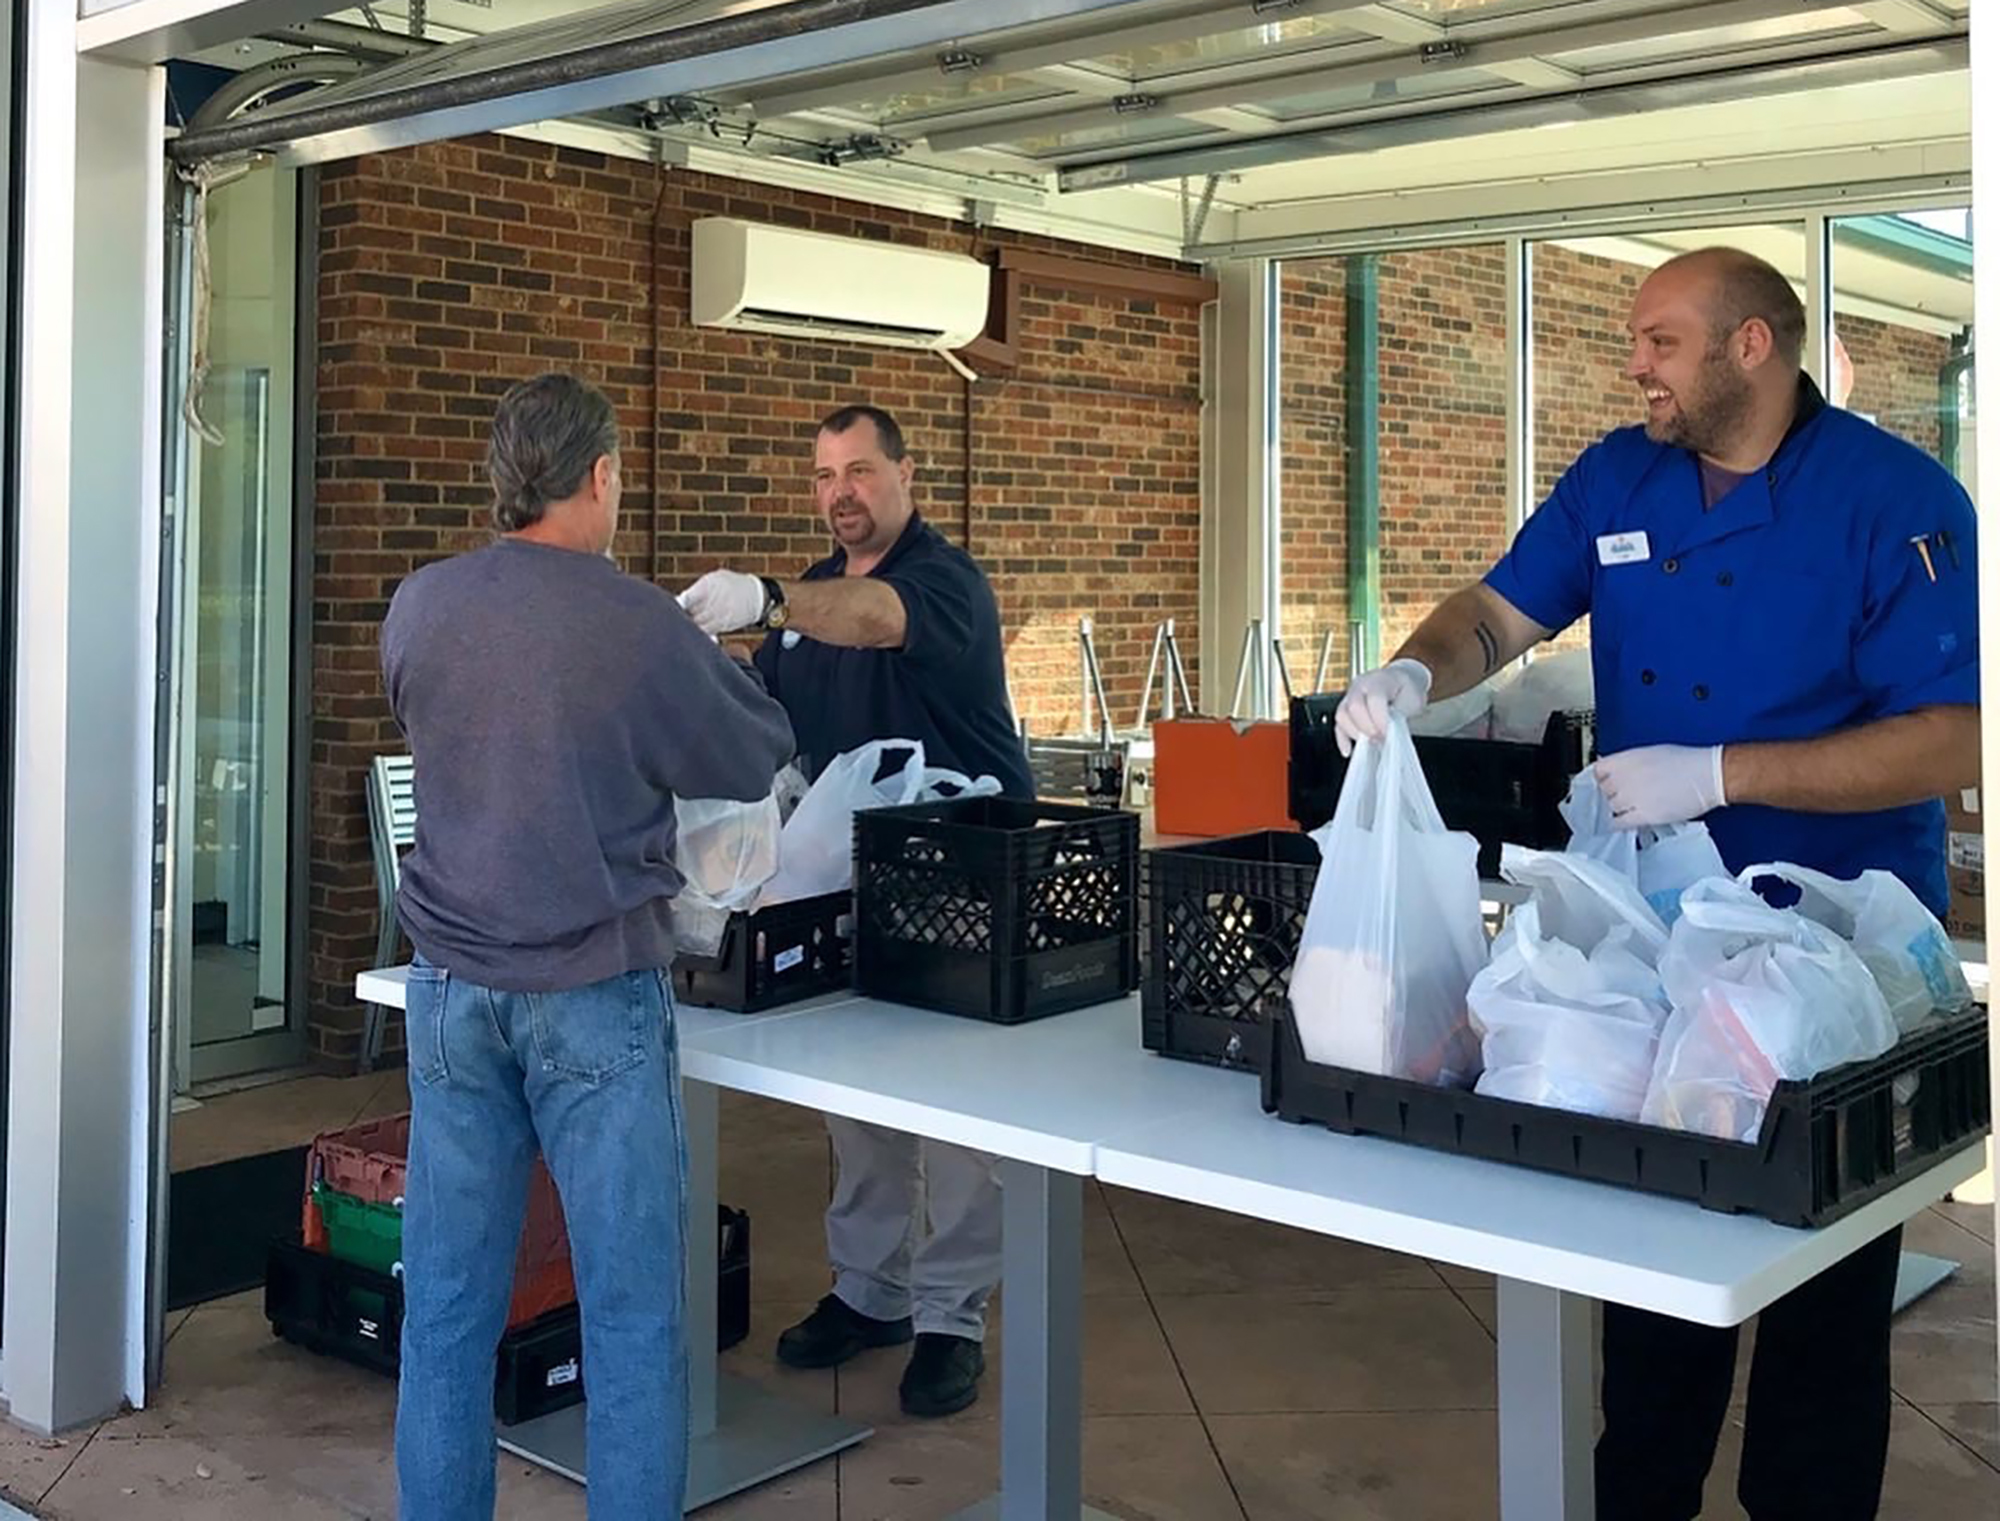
(1759, 994)
(1569, 1007)
(1393, 936)
(1897, 938)
(1663, 862)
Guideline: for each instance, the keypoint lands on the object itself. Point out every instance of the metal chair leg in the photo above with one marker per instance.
(376, 1017)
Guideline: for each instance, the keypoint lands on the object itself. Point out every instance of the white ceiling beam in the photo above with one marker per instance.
(1537, 74)
(1232, 119)
(1906, 18)
(152, 31)
(1662, 194)
(1394, 26)
(1304, 73)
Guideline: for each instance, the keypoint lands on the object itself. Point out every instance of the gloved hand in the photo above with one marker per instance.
(1401, 686)
(724, 601)
(1657, 785)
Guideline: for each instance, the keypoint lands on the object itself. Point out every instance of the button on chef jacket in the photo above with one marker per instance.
(1796, 606)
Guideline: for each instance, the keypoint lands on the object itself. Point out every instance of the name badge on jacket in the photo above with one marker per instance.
(1623, 548)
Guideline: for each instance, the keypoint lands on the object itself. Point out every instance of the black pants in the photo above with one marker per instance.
(1817, 1428)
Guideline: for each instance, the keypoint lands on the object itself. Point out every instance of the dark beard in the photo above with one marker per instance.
(1708, 420)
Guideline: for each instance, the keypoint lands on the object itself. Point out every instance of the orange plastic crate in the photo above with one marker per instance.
(371, 1162)
(1216, 776)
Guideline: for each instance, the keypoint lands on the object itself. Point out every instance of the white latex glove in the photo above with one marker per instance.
(1401, 686)
(1658, 785)
(724, 601)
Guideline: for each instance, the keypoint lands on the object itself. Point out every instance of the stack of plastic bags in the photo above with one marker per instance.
(1640, 981)
(796, 843)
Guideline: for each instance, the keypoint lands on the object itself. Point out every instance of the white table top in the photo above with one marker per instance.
(389, 987)
(1078, 1093)
(1588, 1238)
(1042, 1092)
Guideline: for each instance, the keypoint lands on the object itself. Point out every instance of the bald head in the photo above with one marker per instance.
(1735, 287)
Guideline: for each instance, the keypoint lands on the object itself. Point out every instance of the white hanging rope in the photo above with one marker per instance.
(204, 178)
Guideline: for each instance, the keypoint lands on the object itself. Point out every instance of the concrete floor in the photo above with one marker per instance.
(1234, 1371)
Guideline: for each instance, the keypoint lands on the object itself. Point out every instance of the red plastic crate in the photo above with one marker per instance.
(371, 1162)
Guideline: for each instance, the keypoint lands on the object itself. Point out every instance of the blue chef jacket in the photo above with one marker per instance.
(1797, 605)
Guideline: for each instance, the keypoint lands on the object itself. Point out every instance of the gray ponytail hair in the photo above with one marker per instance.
(547, 435)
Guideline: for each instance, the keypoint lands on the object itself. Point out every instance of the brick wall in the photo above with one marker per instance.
(448, 272)
(1442, 451)
(1895, 376)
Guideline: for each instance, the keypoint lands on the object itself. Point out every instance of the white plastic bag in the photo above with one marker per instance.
(1897, 938)
(1559, 683)
(1662, 862)
(1393, 936)
(1759, 994)
(816, 846)
(940, 785)
(725, 852)
(1570, 1006)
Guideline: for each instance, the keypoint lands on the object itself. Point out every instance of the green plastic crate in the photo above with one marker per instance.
(358, 1231)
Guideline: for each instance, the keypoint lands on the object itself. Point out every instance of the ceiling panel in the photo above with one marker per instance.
(963, 90)
(1452, 85)
(1448, 11)
(1266, 40)
(1827, 27)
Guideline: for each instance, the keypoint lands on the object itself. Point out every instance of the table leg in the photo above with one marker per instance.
(1041, 1347)
(1545, 1409)
(1917, 1273)
(742, 1435)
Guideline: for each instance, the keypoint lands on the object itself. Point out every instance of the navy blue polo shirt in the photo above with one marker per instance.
(1796, 606)
(946, 685)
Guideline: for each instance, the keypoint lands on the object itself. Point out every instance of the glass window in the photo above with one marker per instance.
(1393, 424)
(1902, 328)
(233, 1000)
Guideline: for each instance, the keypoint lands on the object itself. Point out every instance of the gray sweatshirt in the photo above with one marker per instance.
(555, 707)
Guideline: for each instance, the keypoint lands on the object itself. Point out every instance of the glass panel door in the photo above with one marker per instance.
(234, 1003)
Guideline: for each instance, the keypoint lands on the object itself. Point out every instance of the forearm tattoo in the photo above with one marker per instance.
(1489, 647)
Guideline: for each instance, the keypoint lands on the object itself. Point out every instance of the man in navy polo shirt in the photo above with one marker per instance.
(895, 635)
(1783, 625)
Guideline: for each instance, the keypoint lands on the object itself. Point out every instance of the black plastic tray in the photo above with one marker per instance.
(1498, 791)
(774, 956)
(1223, 923)
(1828, 1146)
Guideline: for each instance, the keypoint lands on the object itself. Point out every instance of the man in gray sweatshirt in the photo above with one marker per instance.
(555, 707)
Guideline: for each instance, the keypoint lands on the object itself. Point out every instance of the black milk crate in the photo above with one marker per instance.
(1223, 923)
(996, 909)
(776, 955)
(329, 1305)
(338, 1308)
(1828, 1146)
(1499, 791)
(539, 1369)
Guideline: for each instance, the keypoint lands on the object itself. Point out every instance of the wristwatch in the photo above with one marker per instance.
(777, 612)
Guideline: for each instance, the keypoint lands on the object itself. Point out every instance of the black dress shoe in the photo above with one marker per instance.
(943, 1376)
(834, 1332)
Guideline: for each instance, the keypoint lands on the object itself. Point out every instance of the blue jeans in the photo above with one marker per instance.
(590, 1076)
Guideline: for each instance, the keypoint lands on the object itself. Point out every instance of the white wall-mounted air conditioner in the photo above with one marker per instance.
(764, 279)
